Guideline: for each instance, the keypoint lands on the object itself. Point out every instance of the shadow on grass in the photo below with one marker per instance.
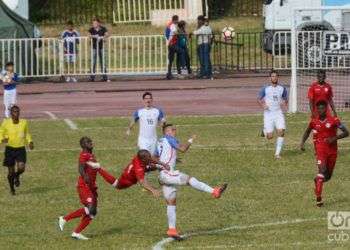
(40, 190)
(110, 231)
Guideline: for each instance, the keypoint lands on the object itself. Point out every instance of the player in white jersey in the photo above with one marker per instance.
(272, 99)
(9, 81)
(167, 149)
(148, 117)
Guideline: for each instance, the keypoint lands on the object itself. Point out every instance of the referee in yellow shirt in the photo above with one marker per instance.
(14, 132)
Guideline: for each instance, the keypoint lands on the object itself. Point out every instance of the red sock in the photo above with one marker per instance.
(78, 213)
(85, 221)
(107, 176)
(319, 186)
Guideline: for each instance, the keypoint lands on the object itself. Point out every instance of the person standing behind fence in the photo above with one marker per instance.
(183, 45)
(171, 36)
(98, 34)
(71, 40)
(9, 79)
(204, 38)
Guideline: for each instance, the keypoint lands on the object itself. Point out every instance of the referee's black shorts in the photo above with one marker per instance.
(13, 155)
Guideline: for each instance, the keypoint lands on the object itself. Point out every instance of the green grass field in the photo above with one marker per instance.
(269, 204)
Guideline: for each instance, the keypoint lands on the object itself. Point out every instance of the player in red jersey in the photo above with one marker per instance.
(325, 129)
(135, 172)
(87, 189)
(320, 90)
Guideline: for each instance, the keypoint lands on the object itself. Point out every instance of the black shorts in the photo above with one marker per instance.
(13, 155)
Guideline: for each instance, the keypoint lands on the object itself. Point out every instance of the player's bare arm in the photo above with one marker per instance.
(331, 103)
(311, 107)
(262, 103)
(183, 148)
(83, 174)
(305, 137)
(344, 133)
(158, 165)
(130, 127)
(146, 185)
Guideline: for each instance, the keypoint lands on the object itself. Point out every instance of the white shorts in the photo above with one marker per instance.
(149, 145)
(170, 180)
(272, 120)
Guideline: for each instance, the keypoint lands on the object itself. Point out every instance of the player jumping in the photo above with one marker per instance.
(170, 179)
(324, 129)
(320, 90)
(272, 98)
(148, 117)
(87, 189)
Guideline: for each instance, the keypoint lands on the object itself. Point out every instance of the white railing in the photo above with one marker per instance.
(45, 57)
(281, 48)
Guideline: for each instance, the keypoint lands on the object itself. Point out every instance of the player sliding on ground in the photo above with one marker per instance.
(87, 189)
(149, 117)
(324, 129)
(272, 98)
(320, 90)
(170, 179)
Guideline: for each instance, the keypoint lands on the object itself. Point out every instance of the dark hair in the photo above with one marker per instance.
(9, 64)
(166, 125)
(146, 94)
(83, 140)
(141, 154)
(273, 72)
(321, 103)
(96, 19)
(70, 22)
(201, 18)
(175, 18)
(321, 71)
(181, 24)
(14, 107)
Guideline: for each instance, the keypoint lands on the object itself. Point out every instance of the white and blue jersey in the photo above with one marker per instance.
(13, 83)
(273, 96)
(70, 41)
(148, 120)
(167, 151)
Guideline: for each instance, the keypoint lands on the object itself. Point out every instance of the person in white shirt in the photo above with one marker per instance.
(204, 39)
(167, 149)
(148, 117)
(272, 98)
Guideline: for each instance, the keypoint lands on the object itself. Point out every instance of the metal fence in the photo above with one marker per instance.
(129, 55)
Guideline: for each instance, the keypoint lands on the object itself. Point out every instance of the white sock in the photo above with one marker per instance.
(171, 212)
(279, 145)
(200, 185)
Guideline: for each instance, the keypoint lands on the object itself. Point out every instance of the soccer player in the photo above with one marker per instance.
(148, 117)
(15, 133)
(170, 179)
(9, 79)
(320, 90)
(134, 173)
(87, 189)
(272, 98)
(324, 128)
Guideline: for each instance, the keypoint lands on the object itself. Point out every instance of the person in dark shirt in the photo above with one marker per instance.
(183, 45)
(98, 34)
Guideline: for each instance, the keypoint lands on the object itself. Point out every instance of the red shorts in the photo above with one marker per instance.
(124, 183)
(326, 158)
(87, 196)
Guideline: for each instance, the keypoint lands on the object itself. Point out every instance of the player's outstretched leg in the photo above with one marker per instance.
(201, 186)
(62, 220)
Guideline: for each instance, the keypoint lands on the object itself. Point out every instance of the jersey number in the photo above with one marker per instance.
(150, 121)
(275, 98)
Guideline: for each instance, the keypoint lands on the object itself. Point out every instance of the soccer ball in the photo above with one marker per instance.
(228, 33)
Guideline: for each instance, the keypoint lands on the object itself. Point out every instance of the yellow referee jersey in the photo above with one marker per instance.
(17, 134)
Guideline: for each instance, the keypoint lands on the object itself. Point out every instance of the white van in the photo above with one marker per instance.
(278, 17)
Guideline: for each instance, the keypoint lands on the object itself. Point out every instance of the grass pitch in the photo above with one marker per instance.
(268, 204)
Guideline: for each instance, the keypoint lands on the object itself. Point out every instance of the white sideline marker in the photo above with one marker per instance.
(159, 245)
(52, 115)
(71, 124)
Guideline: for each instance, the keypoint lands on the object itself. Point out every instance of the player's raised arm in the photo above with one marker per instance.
(305, 137)
(183, 148)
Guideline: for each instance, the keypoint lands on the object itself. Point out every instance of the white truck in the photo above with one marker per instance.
(278, 15)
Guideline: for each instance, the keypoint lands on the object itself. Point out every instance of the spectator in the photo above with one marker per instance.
(9, 81)
(183, 45)
(171, 33)
(204, 38)
(71, 39)
(98, 34)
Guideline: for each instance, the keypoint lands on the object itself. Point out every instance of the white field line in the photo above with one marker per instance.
(51, 115)
(71, 124)
(159, 245)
